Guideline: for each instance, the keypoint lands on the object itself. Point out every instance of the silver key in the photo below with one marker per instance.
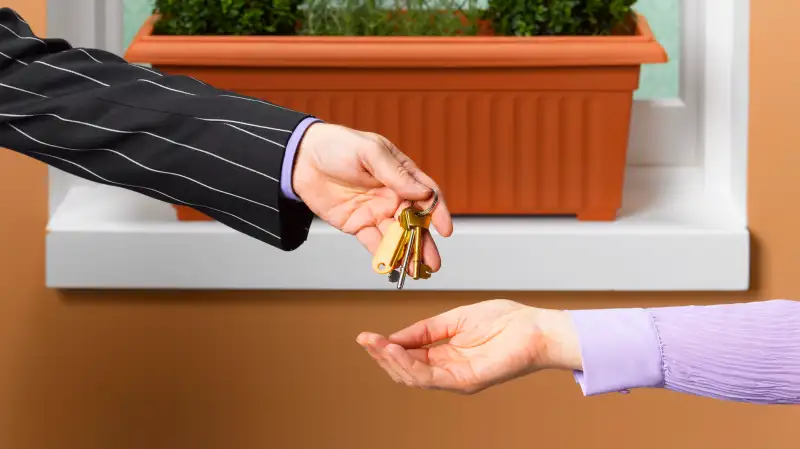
(404, 267)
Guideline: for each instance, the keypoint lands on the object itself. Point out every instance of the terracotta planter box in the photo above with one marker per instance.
(506, 125)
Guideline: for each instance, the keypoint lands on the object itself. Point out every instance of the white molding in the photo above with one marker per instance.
(740, 108)
(83, 23)
(671, 235)
(113, 26)
(726, 101)
(684, 229)
(665, 132)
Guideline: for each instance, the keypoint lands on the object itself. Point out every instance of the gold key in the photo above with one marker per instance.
(412, 219)
(402, 245)
(391, 250)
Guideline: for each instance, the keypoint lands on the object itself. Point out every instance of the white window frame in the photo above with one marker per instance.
(702, 131)
(665, 132)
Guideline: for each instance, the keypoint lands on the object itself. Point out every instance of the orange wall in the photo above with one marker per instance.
(281, 370)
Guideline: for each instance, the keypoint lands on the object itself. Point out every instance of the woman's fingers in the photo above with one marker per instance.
(428, 331)
(375, 345)
(383, 363)
(421, 373)
(409, 366)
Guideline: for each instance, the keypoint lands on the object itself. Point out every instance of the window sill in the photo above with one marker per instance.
(671, 235)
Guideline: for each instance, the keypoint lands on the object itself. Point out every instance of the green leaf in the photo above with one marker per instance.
(392, 17)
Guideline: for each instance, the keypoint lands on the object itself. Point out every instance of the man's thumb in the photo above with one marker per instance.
(392, 173)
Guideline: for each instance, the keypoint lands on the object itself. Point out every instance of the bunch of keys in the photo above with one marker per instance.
(402, 245)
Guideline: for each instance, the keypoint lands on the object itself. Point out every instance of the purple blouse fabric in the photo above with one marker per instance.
(747, 352)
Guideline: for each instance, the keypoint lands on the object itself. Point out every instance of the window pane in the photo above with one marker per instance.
(658, 80)
(662, 80)
(134, 13)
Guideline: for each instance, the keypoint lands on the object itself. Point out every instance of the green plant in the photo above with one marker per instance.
(560, 17)
(390, 18)
(226, 17)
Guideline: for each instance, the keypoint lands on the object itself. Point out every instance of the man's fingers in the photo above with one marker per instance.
(441, 219)
(394, 174)
(429, 331)
(370, 237)
(430, 253)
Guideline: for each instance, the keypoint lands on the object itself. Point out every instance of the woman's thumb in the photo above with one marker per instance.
(394, 174)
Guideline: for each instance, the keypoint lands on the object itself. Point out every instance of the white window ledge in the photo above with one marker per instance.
(671, 235)
(683, 225)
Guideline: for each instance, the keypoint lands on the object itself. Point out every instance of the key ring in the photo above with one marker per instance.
(431, 207)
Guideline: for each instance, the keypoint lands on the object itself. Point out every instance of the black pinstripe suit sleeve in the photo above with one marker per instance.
(173, 138)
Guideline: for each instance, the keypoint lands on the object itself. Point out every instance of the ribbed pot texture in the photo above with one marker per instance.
(505, 125)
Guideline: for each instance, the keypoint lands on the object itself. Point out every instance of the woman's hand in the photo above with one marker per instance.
(358, 182)
(490, 342)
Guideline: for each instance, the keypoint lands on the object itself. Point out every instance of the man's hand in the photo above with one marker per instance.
(490, 342)
(358, 182)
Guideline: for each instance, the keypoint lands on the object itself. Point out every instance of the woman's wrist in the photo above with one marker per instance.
(561, 349)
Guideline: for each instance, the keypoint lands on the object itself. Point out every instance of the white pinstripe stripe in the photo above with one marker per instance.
(165, 87)
(23, 37)
(87, 54)
(156, 191)
(145, 68)
(19, 18)
(141, 165)
(256, 100)
(23, 90)
(219, 119)
(187, 93)
(141, 132)
(255, 135)
(73, 72)
(15, 60)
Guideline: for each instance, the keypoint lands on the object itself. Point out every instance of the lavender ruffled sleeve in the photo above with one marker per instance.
(747, 352)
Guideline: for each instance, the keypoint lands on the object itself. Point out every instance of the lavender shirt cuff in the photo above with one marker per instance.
(289, 155)
(620, 350)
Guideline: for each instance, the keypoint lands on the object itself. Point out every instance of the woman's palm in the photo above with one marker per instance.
(493, 352)
(490, 342)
